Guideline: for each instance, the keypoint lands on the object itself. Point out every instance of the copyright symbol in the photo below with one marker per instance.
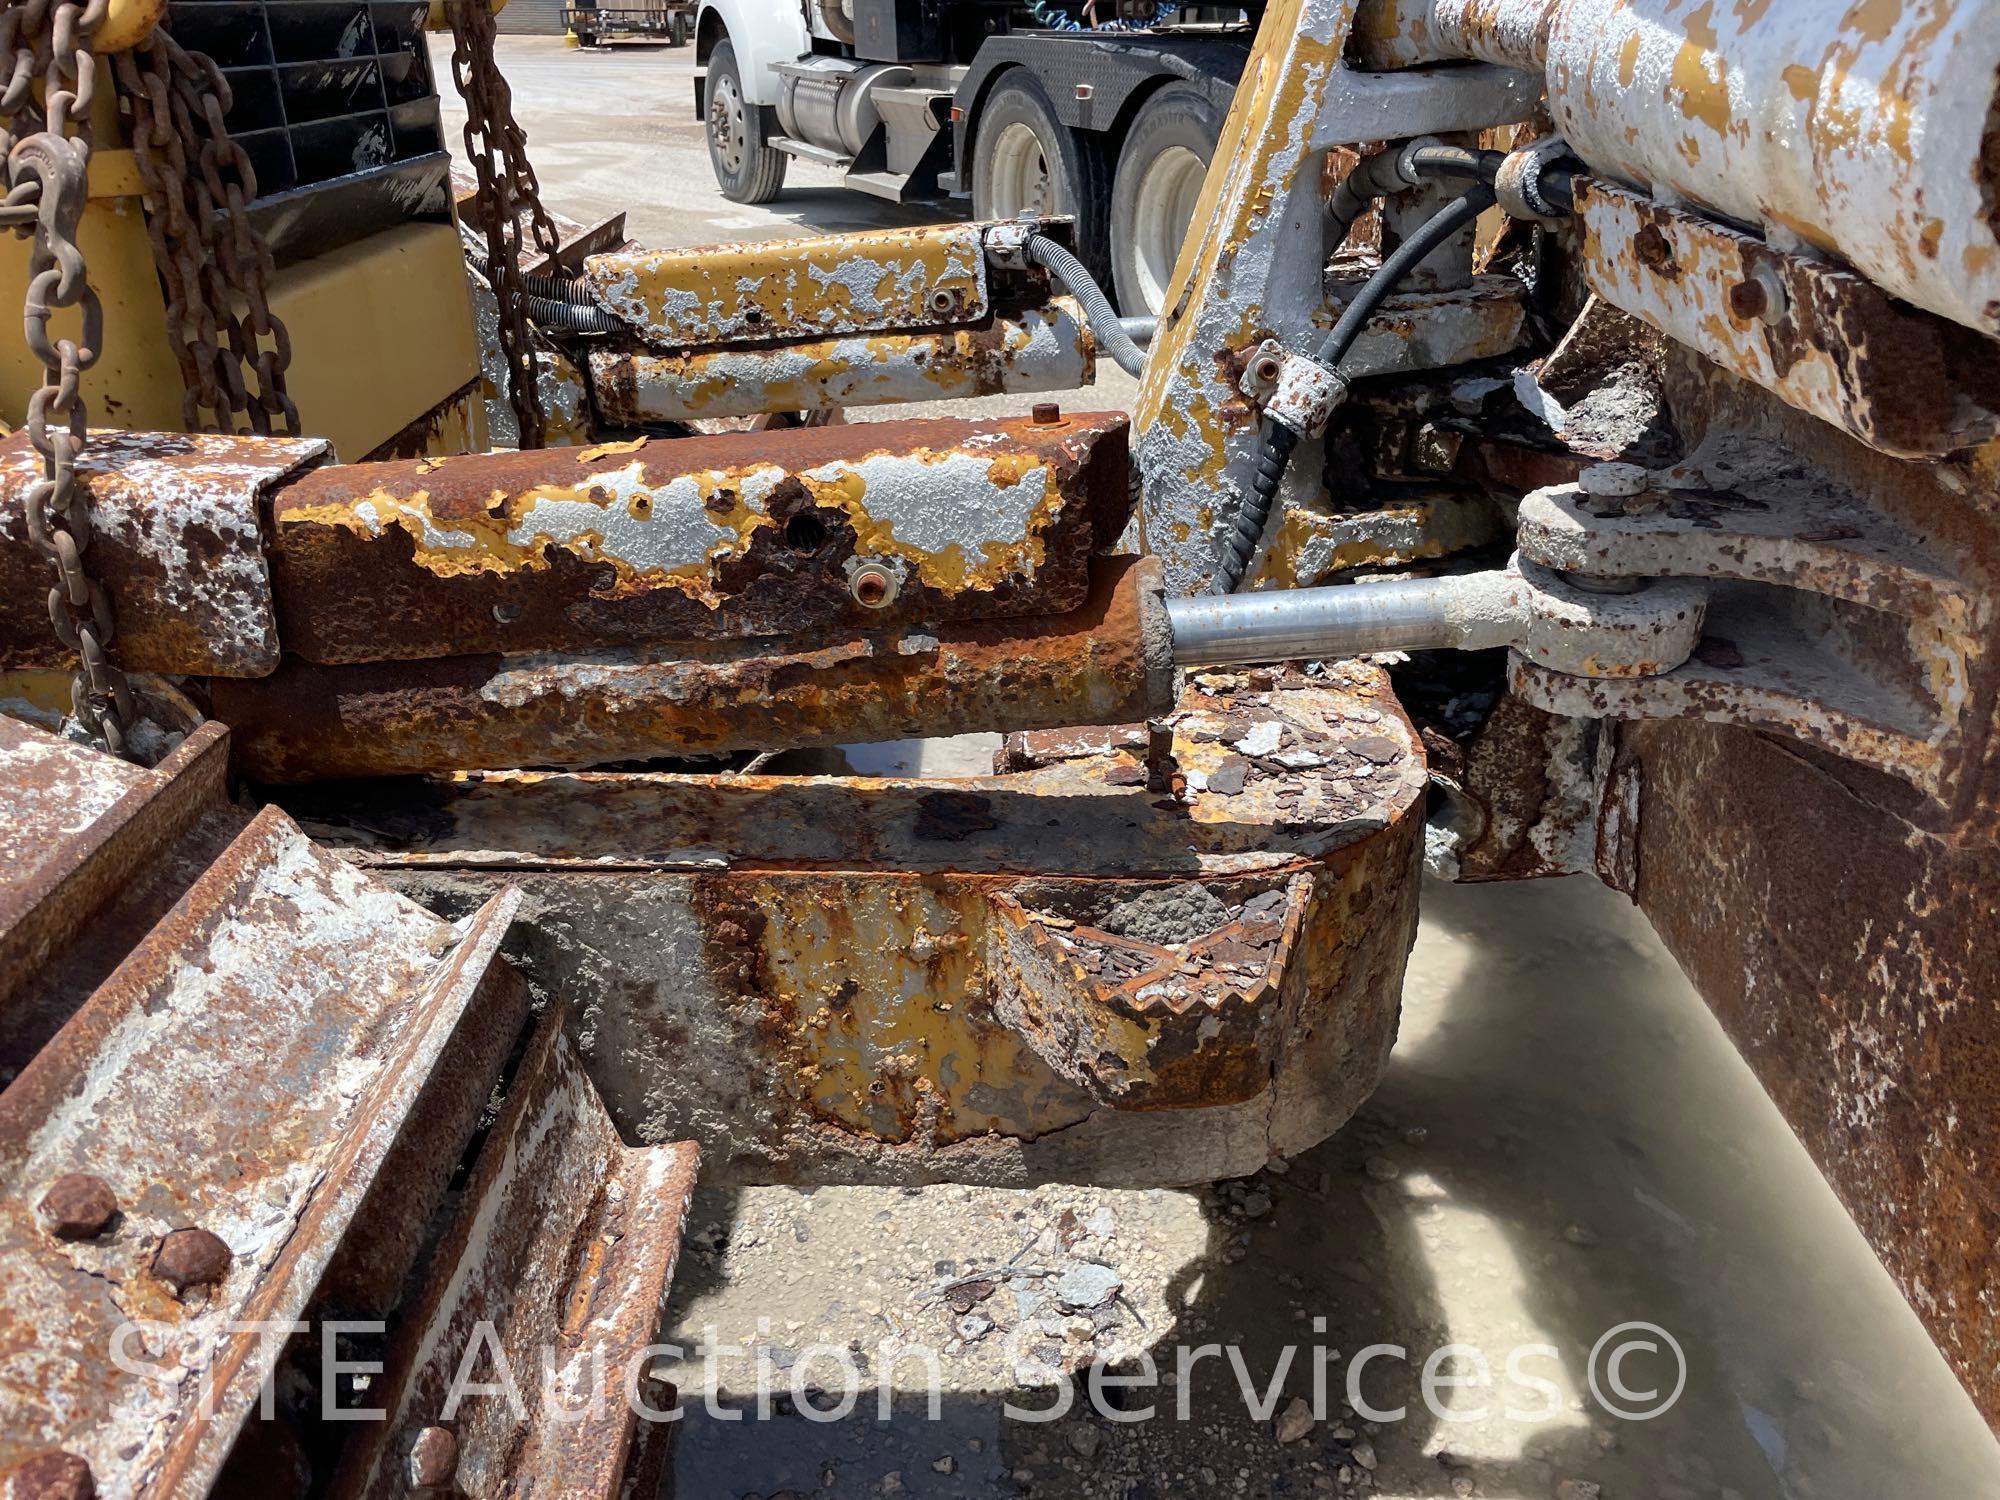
(1607, 1357)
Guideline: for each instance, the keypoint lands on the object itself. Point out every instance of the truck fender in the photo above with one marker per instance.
(762, 33)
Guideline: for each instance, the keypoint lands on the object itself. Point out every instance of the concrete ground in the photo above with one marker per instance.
(1564, 1143)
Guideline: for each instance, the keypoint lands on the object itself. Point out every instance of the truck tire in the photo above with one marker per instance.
(747, 170)
(1153, 197)
(1024, 160)
(677, 31)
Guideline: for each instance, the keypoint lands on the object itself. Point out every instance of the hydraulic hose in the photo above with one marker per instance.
(1098, 313)
(548, 288)
(1247, 529)
(572, 317)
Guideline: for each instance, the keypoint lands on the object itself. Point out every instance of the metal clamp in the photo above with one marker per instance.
(1297, 393)
(1523, 183)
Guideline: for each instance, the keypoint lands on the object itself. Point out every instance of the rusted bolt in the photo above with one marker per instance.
(873, 585)
(190, 1258)
(1760, 297)
(1747, 300)
(1047, 413)
(943, 301)
(78, 1206)
(1653, 250)
(54, 1475)
(433, 1459)
(1267, 369)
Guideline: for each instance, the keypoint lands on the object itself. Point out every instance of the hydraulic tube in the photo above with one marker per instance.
(1468, 612)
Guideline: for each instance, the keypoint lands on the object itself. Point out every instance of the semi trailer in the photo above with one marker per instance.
(1110, 119)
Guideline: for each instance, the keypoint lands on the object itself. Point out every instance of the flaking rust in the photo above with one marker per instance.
(801, 288)
(900, 981)
(747, 534)
(176, 542)
(1107, 660)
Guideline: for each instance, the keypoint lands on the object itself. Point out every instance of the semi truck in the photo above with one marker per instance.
(1108, 118)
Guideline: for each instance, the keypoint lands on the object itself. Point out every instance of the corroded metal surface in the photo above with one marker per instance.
(1403, 33)
(747, 534)
(1849, 955)
(1820, 338)
(807, 1020)
(1865, 130)
(243, 1072)
(1039, 349)
(1765, 667)
(1252, 269)
(1312, 545)
(176, 541)
(562, 1251)
(1108, 659)
(799, 288)
(78, 826)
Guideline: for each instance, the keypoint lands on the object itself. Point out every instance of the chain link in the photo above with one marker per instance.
(199, 184)
(498, 149)
(48, 162)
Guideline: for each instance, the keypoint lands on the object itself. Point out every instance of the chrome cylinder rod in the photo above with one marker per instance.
(1469, 611)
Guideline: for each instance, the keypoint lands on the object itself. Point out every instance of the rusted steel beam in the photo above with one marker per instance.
(562, 1250)
(748, 534)
(901, 981)
(176, 540)
(1110, 659)
(1850, 957)
(1039, 349)
(1818, 337)
(231, 1091)
(929, 277)
(80, 827)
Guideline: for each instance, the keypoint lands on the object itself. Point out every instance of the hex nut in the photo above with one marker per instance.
(53, 1475)
(1046, 413)
(433, 1459)
(190, 1258)
(78, 1206)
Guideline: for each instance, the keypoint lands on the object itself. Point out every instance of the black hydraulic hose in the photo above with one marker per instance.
(1098, 313)
(548, 288)
(572, 317)
(1457, 161)
(1247, 528)
(1433, 232)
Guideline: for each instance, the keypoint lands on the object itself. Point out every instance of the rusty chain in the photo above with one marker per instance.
(198, 186)
(498, 149)
(47, 170)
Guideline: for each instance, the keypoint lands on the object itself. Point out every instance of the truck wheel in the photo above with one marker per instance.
(677, 31)
(1025, 161)
(747, 170)
(1160, 172)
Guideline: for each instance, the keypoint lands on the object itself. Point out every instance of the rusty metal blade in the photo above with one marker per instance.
(243, 1072)
(564, 1250)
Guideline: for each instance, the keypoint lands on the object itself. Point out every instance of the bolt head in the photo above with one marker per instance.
(53, 1475)
(1047, 413)
(873, 585)
(190, 1258)
(78, 1206)
(433, 1458)
(1748, 300)
(943, 301)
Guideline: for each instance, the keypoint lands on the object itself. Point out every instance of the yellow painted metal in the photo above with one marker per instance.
(382, 332)
(874, 282)
(127, 23)
(1245, 273)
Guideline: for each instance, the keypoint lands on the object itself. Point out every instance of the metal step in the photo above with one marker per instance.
(806, 151)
